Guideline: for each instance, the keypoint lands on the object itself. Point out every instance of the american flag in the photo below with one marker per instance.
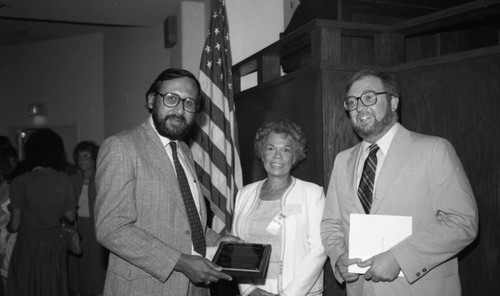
(215, 137)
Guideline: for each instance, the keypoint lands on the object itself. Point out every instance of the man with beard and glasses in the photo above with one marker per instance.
(407, 174)
(156, 233)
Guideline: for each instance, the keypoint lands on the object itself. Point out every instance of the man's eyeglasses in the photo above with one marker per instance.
(171, 100)
(368, 98)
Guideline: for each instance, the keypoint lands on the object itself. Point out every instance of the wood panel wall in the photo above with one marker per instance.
(461, 102)
(313, 98)
(338, 132)
(297, 98)
(455, 96)
(457, 100)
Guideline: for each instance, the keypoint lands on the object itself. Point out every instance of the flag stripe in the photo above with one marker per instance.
(218, 108)
(208, 178)
(215, 170)
(217, 198)
(215, 138)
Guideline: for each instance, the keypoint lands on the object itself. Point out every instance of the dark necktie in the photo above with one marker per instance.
(365, 189)
(197, 235)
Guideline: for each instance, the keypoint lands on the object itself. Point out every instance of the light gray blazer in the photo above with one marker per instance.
(421, 177)
(140, 215)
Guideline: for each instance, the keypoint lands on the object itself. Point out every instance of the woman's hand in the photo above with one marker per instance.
(229, 238)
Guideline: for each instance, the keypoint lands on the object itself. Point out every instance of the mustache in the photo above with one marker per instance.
(175, 116)
(366, 113)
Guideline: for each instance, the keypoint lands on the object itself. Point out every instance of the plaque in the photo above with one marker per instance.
(245, 262)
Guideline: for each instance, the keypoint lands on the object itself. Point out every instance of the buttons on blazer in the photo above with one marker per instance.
(424, 270)
(418, 274)
(188, 232)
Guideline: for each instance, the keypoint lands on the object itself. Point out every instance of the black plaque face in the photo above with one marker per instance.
(241, 256)
(243, 261)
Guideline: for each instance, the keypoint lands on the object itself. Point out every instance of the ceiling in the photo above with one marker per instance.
(23, 21)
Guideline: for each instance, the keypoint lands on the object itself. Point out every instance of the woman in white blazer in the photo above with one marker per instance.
(285, 212)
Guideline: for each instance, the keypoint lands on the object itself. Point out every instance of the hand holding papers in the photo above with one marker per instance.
(370, 235)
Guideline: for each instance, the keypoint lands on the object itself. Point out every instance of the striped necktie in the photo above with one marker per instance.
(366, 184)
(197, 235)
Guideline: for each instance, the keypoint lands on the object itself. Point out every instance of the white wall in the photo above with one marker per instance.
(193, 34)
(133, 57)
(64, 74)
(253, 25)
(96, 83)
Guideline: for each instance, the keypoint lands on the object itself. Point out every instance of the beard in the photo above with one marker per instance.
(169, 130)
(378, 127)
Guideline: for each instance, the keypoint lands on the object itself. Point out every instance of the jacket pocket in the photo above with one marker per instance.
(128, 271)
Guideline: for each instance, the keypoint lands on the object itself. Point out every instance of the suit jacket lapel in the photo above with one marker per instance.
(396, 158)
(153, 147)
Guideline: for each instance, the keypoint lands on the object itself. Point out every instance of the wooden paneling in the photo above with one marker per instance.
(338, 132)
(296, 99)
(358, 50)
(314, 100)
(445, 43)
(449, 83)
(459, 102)
(390, 11)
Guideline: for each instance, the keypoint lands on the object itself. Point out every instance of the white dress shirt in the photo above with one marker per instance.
(383, 143)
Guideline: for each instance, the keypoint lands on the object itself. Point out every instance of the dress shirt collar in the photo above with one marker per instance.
(164, 140)
(385, 142)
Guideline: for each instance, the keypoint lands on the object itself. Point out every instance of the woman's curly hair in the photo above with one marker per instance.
(285, 127)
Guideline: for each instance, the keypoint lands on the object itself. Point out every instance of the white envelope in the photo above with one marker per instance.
(370, 235)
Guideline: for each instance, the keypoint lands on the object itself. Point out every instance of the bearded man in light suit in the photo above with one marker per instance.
(416, 175)
(140, 212)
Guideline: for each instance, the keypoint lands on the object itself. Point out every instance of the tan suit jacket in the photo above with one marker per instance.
(421, 177)
(140, 215)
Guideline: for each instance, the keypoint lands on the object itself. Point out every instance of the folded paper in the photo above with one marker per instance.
(370, 235)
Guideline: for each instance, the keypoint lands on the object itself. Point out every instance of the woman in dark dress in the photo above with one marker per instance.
(40, 198)
(87, 272)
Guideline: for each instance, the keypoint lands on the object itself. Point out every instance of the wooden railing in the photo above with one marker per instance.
(326, 43)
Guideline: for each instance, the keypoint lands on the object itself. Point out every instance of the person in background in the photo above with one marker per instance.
(7, 164)
(285, 212)
(8, 155)
(150, 212)
(88, 271)
(39, 200)
(407, 174)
